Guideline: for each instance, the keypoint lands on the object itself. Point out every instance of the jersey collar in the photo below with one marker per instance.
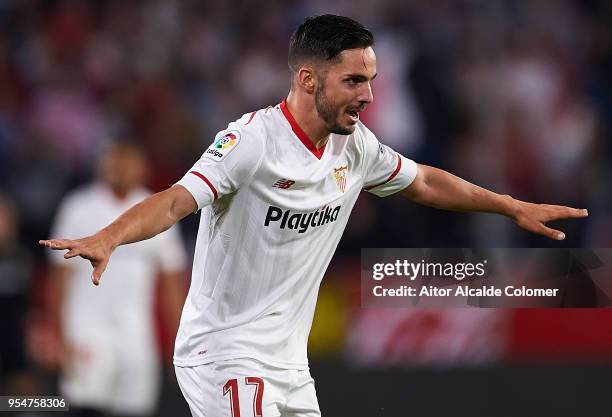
(302, 136)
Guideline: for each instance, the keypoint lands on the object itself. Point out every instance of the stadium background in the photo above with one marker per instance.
(512, 95)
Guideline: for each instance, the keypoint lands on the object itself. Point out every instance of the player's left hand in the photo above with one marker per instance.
(533, 217)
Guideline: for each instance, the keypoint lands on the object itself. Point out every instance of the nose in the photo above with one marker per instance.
(366, 96)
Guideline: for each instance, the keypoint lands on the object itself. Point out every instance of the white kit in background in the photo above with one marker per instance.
(116, 362)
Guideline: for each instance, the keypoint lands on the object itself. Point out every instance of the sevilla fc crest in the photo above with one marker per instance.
(340, 176)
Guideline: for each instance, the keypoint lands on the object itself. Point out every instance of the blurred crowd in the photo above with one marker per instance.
(512, 95)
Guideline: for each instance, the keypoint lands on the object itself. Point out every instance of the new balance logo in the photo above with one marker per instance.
(283, 184)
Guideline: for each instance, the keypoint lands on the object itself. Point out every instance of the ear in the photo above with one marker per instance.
(307, 79)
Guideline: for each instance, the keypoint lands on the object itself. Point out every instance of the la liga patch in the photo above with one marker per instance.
(223, 145)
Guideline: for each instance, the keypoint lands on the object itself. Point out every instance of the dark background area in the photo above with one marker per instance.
(515, 96)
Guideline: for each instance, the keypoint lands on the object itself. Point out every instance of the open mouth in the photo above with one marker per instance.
(354, 115)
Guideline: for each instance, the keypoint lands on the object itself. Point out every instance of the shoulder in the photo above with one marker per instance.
(363, 138)
(253, 125)
(140, 193)
(79, 200)
(246, 135)
(82, 194)
(364, 132)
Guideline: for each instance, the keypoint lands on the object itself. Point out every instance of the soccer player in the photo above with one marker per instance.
(107, 335)
(275, 190)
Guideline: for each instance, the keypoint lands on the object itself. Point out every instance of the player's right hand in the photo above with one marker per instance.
(94, 248)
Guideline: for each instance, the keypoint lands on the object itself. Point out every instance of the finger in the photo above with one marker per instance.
(569, 213)
(574, 213)
(578, 213)
(551, 233)
(57, 244)
(72, 253)
(97, 272)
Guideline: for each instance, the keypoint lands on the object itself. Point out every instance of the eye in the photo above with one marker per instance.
(352, 81)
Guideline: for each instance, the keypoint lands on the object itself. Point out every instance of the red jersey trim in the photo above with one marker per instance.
(303, 137)
(251, 118)
(397, 169)
(203, 178)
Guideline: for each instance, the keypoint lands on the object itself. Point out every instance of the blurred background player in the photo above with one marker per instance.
(110, 357)
(15, 271)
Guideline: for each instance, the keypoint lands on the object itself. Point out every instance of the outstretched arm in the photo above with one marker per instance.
(143, 221)
(437, 188)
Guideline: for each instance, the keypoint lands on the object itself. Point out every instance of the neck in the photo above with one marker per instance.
(119, 193)
(305, 113)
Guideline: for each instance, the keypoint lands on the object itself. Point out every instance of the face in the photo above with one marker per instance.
(122, 168)
(344, 89)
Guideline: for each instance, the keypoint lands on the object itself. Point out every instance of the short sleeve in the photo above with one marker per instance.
(171, 255)
(228, 163)
(386, 171)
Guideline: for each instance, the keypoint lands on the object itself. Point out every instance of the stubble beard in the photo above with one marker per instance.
(328, 112)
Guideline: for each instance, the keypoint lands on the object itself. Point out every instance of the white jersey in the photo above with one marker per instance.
(120, 309)
(273, 210)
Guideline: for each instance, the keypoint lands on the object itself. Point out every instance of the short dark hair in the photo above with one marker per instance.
(323, 38)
